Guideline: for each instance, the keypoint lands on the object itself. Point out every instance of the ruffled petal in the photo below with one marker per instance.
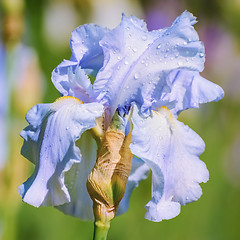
(172, 151)
(49, 142)
(139, 172)
(86, 54)
(137, 62)
(85, 46)
(76, 178)
(188, 90)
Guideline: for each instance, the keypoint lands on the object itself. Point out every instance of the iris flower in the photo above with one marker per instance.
(116, 120)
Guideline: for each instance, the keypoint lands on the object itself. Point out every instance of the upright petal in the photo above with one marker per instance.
(188, 90)
(85, 46)
(86, 53)
(172, 151)
(137, 62)
(49, 142)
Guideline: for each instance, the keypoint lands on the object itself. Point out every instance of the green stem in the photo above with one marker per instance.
(100, 230)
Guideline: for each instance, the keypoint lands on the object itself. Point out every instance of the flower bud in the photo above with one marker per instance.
(107, 182)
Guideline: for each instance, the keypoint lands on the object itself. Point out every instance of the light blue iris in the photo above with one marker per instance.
(156, 74)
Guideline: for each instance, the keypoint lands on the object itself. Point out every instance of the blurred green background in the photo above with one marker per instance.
(215, 216)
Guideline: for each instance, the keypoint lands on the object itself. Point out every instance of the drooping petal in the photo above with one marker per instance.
(172, 151)
(76, 178)
(49, 142)
(137, 62)
(86, 53)
(139, 172)
(188, 90)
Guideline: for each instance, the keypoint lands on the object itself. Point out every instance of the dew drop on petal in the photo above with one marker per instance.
(159, 46)
(201, 55)
(144, 37)
(136, 75)
(180, 63)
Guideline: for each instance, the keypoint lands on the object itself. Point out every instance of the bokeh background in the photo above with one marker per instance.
(35, 39)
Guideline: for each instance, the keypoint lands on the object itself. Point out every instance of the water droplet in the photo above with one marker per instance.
(128, 28)
(135, 49)
(129, 36)
(126, 62)
(142, 61)
(201, 55)
(159, 46)
(146, 64)
(187, 59)
(180, 63)
(144, 37)
(136, 76)
(160, 59)
(119, 57)
(184, 43)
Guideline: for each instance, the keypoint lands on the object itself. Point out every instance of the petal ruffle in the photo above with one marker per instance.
(139, 172)
(188, 90)
(172, 151)
(49, 142)
(86, 53)
(137, 62)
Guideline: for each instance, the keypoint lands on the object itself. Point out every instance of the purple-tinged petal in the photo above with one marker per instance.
(60, 76)
(188, 90)
(137, 62)
(76, 178)
(86, 53)
(49, 142)
(85, 46)
(172, 151)
(139, 172)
